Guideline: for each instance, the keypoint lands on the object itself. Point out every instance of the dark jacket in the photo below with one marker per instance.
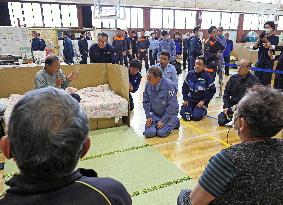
(128, 41)
(101, 55)
(211, 57)
(188, 44)
(280, 62)
(83, 47)
(68, 50)
(198, 87)
(229, 48)
(143, 43)
(134, 41)
(185, 49)
(135, 81)
(120, 44)
(178, 43)
(195, 47)
(263, 57)
(236, 88)
(35, 44)
(83, 187)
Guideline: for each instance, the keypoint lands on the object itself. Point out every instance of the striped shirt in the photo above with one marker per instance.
(218, 174)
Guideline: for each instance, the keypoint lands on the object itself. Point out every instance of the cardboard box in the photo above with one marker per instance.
(21, 80)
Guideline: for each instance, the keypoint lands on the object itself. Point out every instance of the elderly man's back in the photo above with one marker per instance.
(72, 190)
(47, 134)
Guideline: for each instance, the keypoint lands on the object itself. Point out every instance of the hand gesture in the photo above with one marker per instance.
(148, 122)
(72, 76)
(200, 104)
(59, 81)
(225, 111)
(130, 87)
(186, 103)
(159, 124)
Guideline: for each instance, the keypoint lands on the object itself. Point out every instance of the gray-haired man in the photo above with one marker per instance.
(47, 134)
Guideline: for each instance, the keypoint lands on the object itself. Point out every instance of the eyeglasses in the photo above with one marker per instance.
(100, 41)
(241, 66)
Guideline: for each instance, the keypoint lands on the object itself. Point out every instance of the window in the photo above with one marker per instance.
(133, 18)
(69, 15)
(210, 19)
(264, 1)
(15, 11)
(140, 18)
(180, 19)
(185, 19)
(191, 19)
(280, 23)
(136, 18)
(256, 21)
(108, 23)
(125, 22)
(37, 16)
(229, 20)
(51, 14)
(155, 18)
(168, 18)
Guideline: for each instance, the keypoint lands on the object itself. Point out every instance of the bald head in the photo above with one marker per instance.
(244, 67)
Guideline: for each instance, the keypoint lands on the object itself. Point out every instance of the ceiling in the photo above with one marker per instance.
(229, 5)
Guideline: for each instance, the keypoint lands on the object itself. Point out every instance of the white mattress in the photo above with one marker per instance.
(98, 102)
(102, 102)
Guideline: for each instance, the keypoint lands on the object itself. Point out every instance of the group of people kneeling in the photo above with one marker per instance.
(48, 133)
(160, 96)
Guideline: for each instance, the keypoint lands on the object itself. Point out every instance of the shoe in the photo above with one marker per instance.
(187, 116)
(229, 124)
(177, 126)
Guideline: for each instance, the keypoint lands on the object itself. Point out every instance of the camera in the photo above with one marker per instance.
(262, 35)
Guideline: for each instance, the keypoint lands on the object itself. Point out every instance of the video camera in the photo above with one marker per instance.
(262, 35)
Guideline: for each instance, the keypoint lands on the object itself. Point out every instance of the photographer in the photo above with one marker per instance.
(266, 44)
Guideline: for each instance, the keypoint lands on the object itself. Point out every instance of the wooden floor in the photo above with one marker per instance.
(190, 147)
(194, 143)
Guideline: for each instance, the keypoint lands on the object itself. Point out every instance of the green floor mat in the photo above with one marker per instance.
(120, 154)
(165, 196)
(137, 169)
(112, 139)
